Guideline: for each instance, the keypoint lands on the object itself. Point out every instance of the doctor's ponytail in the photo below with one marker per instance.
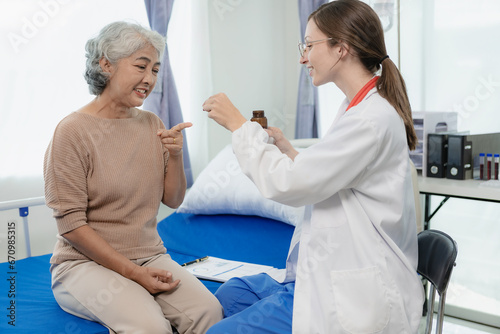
(392, 87)
(356, 24)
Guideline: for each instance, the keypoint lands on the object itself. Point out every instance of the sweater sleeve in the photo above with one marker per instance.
(66, 165)
(156, 124)
(166, 153)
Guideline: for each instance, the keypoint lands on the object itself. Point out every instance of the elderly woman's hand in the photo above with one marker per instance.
(153, 279)
(173, 139)
(222, 110)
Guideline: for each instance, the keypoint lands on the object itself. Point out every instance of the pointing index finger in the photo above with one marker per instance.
(181, 126)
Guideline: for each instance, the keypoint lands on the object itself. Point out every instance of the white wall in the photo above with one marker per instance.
(255, 61)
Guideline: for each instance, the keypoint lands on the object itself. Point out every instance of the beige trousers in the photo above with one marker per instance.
(93, 292)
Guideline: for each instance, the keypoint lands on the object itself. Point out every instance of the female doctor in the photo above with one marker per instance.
(352, 264)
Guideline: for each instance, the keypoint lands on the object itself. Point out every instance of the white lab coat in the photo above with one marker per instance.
(355, 269)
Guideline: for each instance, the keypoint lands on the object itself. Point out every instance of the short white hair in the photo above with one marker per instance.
(116, 41)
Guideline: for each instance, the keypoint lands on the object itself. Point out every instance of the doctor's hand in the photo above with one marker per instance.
(222, 110)
(281, 142)
(153, 279)
(173, 139)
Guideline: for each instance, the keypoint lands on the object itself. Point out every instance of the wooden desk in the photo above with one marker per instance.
(467, 189)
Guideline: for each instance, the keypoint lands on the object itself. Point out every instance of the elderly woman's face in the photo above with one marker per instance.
(133, 78)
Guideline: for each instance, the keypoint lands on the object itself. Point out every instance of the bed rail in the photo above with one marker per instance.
(23, 205)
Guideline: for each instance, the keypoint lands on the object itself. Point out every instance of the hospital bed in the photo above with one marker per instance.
(223, 215)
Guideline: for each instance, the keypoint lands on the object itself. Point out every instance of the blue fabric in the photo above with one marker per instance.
(187, 237)
(255, 304)
(233, 237)
(163, 100)
(306, 123)
(36, 310)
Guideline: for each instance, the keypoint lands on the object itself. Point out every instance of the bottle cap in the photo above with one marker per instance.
(481, 154)
(489, 155)
(258, 113)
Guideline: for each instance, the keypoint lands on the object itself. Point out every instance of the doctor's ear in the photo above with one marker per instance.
(344, 48)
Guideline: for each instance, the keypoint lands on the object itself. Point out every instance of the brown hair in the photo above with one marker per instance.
(356, 24)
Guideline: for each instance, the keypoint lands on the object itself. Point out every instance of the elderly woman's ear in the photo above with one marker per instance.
(105, 65)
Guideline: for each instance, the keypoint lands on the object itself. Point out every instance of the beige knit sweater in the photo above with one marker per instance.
(109, 174)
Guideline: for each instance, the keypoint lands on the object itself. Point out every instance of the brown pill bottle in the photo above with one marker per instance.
(258, 116)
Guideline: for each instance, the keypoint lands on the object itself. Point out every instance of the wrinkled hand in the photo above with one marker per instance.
(173, 139)
(222, 110)
(154, 280)
(281, 142)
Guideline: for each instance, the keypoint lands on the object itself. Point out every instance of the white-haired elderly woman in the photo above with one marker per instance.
(107, 168)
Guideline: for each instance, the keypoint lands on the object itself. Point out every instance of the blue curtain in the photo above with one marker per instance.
(306, 124)
(164, 100)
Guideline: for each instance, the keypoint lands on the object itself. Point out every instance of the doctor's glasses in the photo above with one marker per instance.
(303, 46)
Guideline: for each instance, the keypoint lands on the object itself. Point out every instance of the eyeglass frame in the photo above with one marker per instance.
(303, 46)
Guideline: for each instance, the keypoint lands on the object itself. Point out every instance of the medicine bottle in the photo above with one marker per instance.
(481, 166)
(497, 160)
(489, 158)
(258, 116)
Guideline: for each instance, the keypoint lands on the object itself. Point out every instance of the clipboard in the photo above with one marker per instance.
(221, 270)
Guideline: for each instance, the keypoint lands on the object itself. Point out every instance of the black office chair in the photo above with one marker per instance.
(437, 253)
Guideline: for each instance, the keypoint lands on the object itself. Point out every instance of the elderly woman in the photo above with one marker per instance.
(106, 170)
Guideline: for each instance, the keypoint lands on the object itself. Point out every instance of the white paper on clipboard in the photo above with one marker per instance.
(221, 270)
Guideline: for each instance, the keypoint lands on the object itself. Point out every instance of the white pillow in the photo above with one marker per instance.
(222, 188)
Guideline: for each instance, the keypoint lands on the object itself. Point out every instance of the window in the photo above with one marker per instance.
(450, 63)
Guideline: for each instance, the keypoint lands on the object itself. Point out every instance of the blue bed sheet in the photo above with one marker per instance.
(36, 310)
(233, 237)
(186, 236)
